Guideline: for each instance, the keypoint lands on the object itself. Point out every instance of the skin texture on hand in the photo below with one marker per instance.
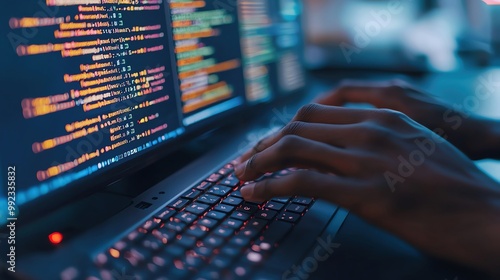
(476, 137)
(389, 170)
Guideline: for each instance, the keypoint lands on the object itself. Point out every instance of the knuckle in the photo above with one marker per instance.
(372, 134)
(306, 111)
(286, 150)
(292, 128)
(251, 164)
(396, 86)
(388, 116)
(259, 146)
(287, 145)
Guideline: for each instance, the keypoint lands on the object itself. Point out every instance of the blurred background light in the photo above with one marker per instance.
(425, 35)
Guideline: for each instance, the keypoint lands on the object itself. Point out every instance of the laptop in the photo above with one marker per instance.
(121, 122)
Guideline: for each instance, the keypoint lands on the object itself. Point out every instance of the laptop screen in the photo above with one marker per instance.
(88, 85)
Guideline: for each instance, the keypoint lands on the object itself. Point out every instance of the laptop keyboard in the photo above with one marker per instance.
(209, 232)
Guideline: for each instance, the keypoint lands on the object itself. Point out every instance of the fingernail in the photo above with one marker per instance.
(239, 170)
(247, 191)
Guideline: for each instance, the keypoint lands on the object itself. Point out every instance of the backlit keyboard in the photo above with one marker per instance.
(209, 232)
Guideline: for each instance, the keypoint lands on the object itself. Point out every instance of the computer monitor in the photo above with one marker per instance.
(89, 86)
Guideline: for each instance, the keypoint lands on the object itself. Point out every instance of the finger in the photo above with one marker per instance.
(357, 92)
(312, 113)
(318, 113)
(294, 151)
(260, 146)
(339, 190)
(343, 136)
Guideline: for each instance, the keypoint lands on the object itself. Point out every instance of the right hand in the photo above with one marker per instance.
(466, 132)
(390, 171)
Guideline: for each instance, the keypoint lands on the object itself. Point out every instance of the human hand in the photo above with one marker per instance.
(389, 170)
(470, 134)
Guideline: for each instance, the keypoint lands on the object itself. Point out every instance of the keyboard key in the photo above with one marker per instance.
(240, 241)
(120, 245)
(175, 251)
(204, 251)
(303, 200)
(176, 226)
(224, 232)
(261, 246)
(136, 234)
(204, 186)
(230, 251)
(213, 241)
(236, 194)
(208, 199)
(162, 260)
(197, 231)
(226, 170)
(275, 233)
(121, 264)
(289, 217)
(240, 271)
(224, 208)
(165, 235)
(249, 232)
(193, 262)
(254, 257)
(179, 203)
(137, 254)
(144, 272)
(216, 215)
(209, 223)
(248, 208)
(178, 271)
(191, 194)
(232, 223)
(296, 208)
(209, 273)
(219, 190)
(258, 224)
(283, 200)
(197, 208)
(186, 241)
(186, 217)
(233, 201)
(266, 214)
(152, 243)
(214, 178)
(240, 215)
(221, 262)
(230, 181)
(273, 205)
(165, 214)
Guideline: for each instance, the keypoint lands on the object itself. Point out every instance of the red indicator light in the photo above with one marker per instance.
(55, 238)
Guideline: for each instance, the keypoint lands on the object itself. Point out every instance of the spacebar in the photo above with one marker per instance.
(302, 237)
